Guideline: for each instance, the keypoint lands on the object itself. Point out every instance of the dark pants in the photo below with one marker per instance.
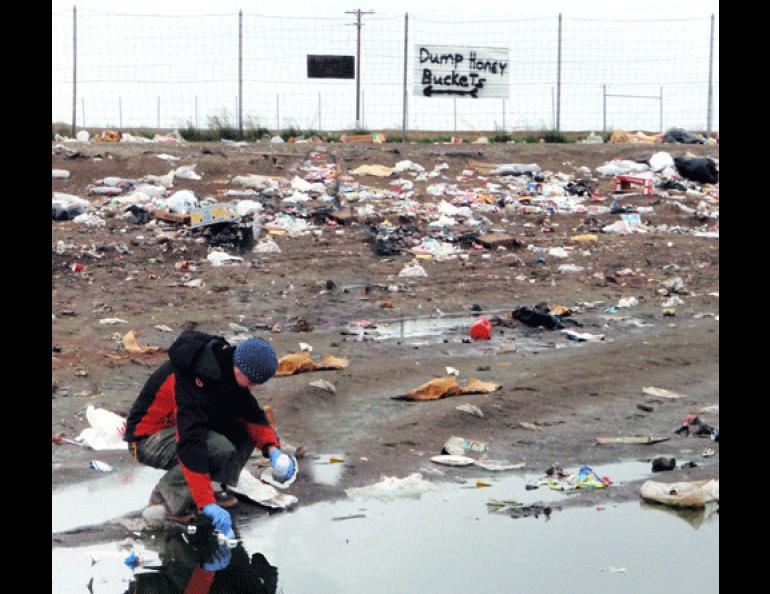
(228, 455)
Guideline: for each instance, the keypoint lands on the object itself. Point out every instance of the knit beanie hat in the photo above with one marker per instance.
(256, 359)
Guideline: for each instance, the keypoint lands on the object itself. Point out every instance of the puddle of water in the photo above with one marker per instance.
(448, 541)
(99, 500)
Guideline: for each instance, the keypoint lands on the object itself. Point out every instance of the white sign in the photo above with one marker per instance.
(452, 71)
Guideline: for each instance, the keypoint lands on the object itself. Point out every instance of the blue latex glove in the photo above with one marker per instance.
(283, 465)
(219, 560)
(220, 518)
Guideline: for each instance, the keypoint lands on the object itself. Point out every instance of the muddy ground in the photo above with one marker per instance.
(573, 392)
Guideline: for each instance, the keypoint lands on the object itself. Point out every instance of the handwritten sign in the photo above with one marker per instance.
(452, 71)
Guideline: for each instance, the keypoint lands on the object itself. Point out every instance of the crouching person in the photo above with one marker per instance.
(197, 419)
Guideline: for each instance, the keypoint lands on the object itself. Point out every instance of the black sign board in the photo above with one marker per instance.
(331, 66)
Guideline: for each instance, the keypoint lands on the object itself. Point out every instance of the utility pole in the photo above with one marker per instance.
(358, 12)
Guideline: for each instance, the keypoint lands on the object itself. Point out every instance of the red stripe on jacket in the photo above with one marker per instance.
(263, 436)
(162, 411)
(200, 581)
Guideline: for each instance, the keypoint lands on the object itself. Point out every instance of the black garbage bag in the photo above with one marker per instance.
(234, 235)
(140, 215)
(536, 318)
(672, 185)
(680, 136)
(579, 189)
(700, 169)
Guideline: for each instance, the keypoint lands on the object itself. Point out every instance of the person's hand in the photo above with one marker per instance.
(220, 518)
(283, 465)
(220, 559)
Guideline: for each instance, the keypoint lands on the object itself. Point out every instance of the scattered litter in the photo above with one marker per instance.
(480, 484)
(661, 393)
(163, 328)
(302, 363)
(682, 494)
(457, 446)
(636, 439)
(268, 246)
(105, 432)
(481, 329)
(585, 478)
(219, 258)
(376, 170)
(112, 321)
(452, 460)
(529, 426)
(673, 301)
(186, 172)
(101, 466)
(628, 302)
(452, 371)
(470, 409)
(262, 493)
(133, 347)
(448, 386)
(707, 453)
(498, 465)
(60, 173)
(662, 464)
(583, 336)
(351, 517)
(413, 270)
(324, 385)
(391, 487)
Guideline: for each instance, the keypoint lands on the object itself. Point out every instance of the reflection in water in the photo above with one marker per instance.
(198, 563)
(695, 517)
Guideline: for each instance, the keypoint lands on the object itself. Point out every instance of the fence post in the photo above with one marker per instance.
(240, 72)
(406, 53)
(558, 83)
(74, 69)
(710, 107)
(661, 109)
(604, 108)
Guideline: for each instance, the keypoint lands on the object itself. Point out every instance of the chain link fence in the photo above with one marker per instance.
(565, 73)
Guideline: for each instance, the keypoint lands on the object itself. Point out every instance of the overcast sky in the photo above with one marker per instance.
(658, 9)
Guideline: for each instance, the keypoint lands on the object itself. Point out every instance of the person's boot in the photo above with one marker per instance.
(157, 499)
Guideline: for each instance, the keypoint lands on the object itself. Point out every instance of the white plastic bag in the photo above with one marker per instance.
(182, 202)
(186, 172)
(60, 173)
(218, 258)
(106, 430)
(413, 270)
